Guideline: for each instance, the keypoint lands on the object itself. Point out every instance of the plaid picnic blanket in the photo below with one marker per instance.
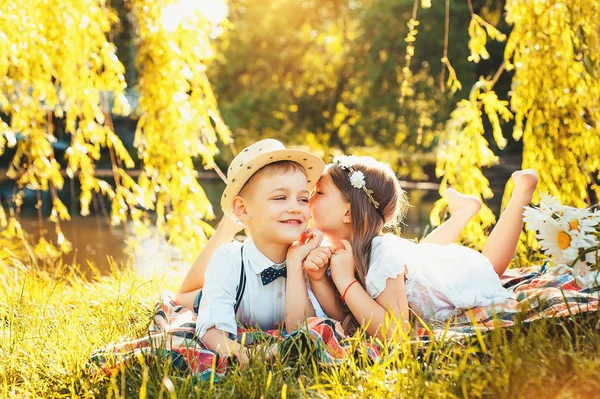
(171, 334)
(537, 294)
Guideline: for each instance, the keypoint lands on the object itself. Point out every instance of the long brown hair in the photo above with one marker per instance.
(368, 221)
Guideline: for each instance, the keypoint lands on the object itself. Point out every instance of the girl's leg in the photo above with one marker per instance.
(502, 242)
(462, 209)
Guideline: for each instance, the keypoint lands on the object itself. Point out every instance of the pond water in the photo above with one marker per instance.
(94, 239)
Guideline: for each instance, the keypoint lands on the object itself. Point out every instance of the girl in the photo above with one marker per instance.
(385, 275)
(462, 209)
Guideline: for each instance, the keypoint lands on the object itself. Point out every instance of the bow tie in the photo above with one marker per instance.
(271, 274)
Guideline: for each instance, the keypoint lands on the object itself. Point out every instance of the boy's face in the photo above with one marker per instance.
(276, 207)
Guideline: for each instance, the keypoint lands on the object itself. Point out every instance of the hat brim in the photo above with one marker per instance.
(312, 164)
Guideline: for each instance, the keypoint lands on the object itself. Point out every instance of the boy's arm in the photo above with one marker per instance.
(297, 303)
(322, 287)
(219, 342)
(194, 280)
(216, 313)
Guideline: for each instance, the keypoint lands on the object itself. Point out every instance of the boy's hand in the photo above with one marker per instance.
(308, 241)
(342, 265)
(316, 263)
(271, 352)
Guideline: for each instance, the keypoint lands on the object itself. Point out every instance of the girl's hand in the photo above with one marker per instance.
(342, 265)
(316, 263)
(308, 241)
(230, 224)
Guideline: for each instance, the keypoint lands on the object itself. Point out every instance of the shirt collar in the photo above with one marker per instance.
(258, 261)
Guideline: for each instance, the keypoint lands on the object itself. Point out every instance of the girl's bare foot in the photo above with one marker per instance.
(525, 183)
(461, 204)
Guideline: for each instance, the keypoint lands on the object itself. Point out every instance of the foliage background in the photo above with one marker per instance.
(414, 83)
(133, 105)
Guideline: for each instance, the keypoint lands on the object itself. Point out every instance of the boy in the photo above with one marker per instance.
(268, 191)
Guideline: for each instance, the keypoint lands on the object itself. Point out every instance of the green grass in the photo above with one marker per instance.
(52, 318)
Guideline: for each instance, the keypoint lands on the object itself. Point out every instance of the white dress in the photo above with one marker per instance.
(440, 279)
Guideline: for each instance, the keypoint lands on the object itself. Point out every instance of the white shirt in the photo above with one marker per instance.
(261, 305)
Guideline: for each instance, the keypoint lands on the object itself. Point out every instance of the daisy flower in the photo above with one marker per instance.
(579, 220)
(595, 217)
(582, 240)
(591, 279)
(557, 242)
(550, 204)
(535, 217)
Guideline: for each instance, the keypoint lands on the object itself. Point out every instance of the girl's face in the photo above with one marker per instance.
(329, 209)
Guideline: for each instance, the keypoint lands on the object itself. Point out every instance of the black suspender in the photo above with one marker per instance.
(239, 291)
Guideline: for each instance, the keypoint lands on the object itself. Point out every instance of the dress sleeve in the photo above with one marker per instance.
(385, 264)
(218, 294)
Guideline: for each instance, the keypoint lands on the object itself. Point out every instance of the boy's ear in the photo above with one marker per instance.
(239, 209)
(347, 219)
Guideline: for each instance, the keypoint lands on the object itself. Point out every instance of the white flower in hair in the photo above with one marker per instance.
(344, 161)
(357, 179)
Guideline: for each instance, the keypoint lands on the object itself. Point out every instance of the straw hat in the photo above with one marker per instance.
(262, 153)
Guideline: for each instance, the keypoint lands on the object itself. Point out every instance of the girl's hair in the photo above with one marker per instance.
(367, 221)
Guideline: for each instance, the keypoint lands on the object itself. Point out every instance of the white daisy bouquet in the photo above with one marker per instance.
(569, 236)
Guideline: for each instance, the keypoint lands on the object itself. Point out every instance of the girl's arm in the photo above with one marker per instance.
(372, 314)
(194, 280)
(391, 304)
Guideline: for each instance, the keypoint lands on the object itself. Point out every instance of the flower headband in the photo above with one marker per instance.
(357, 180)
